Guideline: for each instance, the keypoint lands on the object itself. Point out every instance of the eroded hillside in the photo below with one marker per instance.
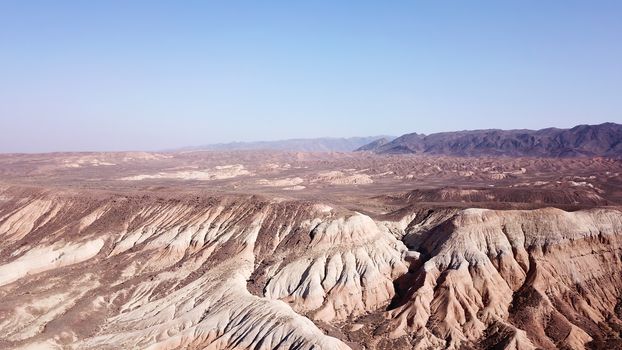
(272, 250)
(106, 270)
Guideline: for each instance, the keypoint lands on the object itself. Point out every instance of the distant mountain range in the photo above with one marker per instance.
(579, 141)
(324, 144)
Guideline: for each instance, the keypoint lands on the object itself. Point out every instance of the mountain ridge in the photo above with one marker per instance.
(580, 141)
(318, 144)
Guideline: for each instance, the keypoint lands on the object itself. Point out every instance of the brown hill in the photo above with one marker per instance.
(580, 141)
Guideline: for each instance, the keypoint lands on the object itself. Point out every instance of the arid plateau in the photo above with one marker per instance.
(295, 250)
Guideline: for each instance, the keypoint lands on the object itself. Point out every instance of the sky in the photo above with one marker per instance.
(150, 75)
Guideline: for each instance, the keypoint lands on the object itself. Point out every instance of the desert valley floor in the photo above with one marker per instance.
(265, 250)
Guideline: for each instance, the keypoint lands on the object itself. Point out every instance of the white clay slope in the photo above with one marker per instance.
(240, 272)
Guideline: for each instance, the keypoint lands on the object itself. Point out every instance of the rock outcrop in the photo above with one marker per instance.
(551, 273)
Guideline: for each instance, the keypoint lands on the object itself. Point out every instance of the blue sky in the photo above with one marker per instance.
(148, 75)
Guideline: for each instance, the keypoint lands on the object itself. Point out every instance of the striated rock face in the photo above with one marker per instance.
(554, 274)
(140, 273)
(110, 271)
(347, 269)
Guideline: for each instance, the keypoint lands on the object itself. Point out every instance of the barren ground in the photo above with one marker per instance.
(257, 250)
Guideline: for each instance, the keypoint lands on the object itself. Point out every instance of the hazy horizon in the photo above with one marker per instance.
(113, 76)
